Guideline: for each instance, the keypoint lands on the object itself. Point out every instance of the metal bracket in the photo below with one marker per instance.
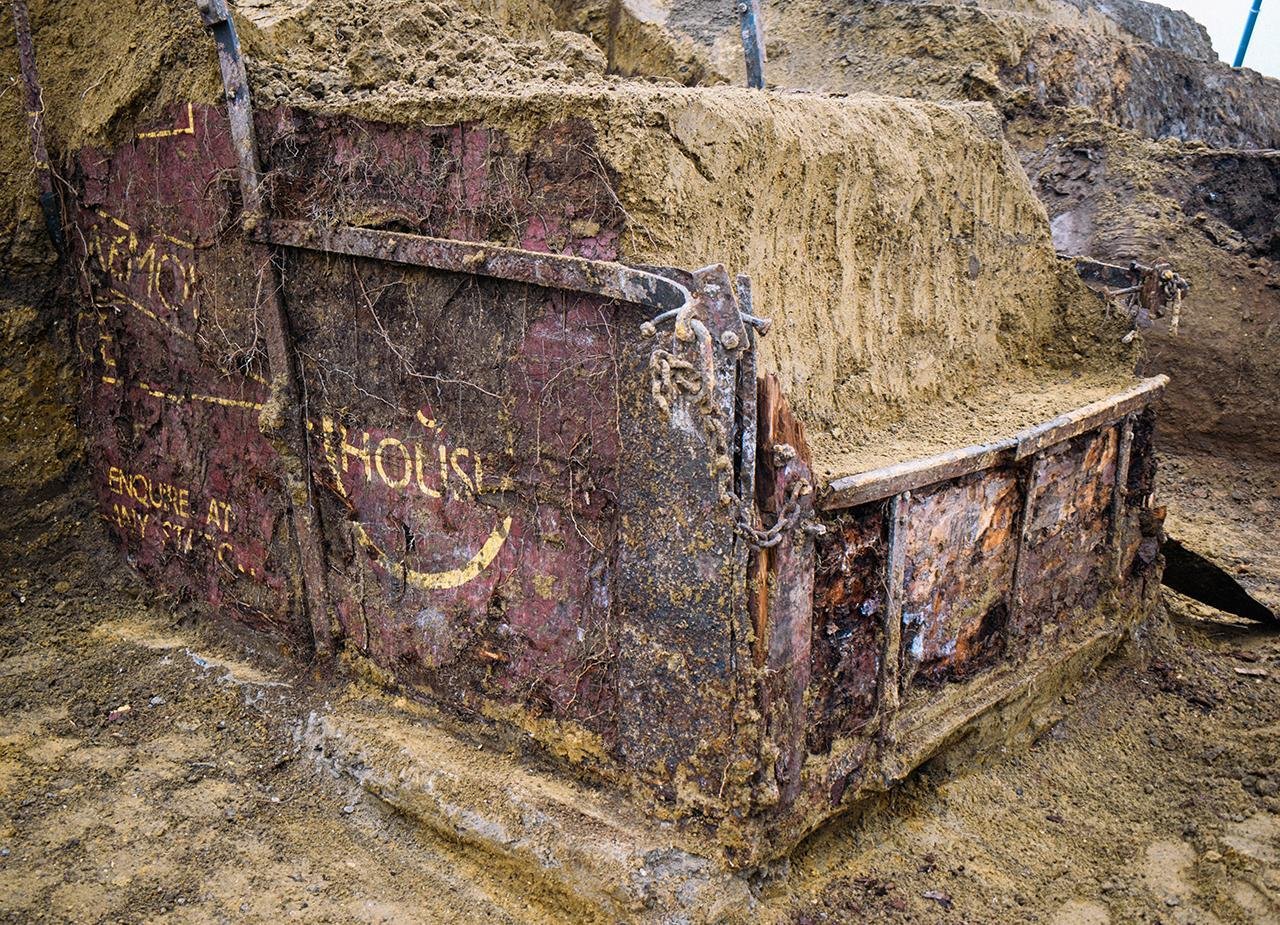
(554, 271)
(235, 85)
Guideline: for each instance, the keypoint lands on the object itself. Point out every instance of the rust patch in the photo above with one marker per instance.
(960, 554)
(848, 619)
(1063, 571)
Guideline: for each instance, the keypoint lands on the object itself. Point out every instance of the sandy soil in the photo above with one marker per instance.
(150, 771)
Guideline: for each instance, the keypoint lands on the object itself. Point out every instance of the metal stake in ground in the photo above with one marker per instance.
(287, 428)
(35, 119)
(752, 24)
(1248, 33)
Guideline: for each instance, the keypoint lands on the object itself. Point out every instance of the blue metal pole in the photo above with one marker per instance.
(752, 26)
(1248, 33)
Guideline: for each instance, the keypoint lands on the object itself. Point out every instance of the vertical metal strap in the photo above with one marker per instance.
(891, 650)
(288, 431)
(34, 101)
(235, 85)
(1031, 480)
(748, 391)
(752, 25)
(1119, 493)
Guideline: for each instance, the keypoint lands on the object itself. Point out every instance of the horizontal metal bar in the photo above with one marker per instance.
(554, 271)
(875, 484)
(1090, 417)
(1111, 275)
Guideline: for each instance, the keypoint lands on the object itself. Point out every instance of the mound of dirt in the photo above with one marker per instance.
(1113, 108)
(1135, 64)
(1214, 214)
(897, 273)
(329, 47)
(896, 243)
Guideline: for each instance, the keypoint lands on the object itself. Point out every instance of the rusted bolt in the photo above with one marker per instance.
(647, 329)
(729, 340)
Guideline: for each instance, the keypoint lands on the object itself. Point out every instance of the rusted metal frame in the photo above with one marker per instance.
(890, 680)
(1030, 482)
(732, 346)
(554, 271)
(751, 25)
(1111, 275)
(1119, 493)
(748, 395)
(683, 716)
(863, 487)
(745, 465)
(875, 484)
(1090, 417)
(288, 430)
(49, 205)
(235, 85)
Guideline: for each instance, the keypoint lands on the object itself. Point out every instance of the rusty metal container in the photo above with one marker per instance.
(551, 493)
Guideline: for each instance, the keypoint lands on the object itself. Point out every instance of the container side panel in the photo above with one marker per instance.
(961, 548)
(1064, 572)
(174, 375)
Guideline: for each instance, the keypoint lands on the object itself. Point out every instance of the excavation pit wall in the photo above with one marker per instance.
(523, 521)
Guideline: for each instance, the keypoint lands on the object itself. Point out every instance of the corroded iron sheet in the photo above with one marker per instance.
(174, 382)
(1063, 570)
(469, 495)
(684, 649)
(848, 618)
(961, 547)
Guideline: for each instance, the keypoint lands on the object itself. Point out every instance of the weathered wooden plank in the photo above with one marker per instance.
(1118, 492)
(891, 654)
(1090, 417)
(852, 490)
(874, 484)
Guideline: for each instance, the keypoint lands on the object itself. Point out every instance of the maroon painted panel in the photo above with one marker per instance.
(469, 495)
(466, 436)
(172, 384)
(464, 431)
(961, 548)
(464, 181)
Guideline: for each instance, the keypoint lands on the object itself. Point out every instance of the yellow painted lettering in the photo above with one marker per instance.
(417, 469)
(359, 452)
(405, 471)
(471, 486)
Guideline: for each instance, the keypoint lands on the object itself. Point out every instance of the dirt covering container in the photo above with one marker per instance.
(740, 451)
